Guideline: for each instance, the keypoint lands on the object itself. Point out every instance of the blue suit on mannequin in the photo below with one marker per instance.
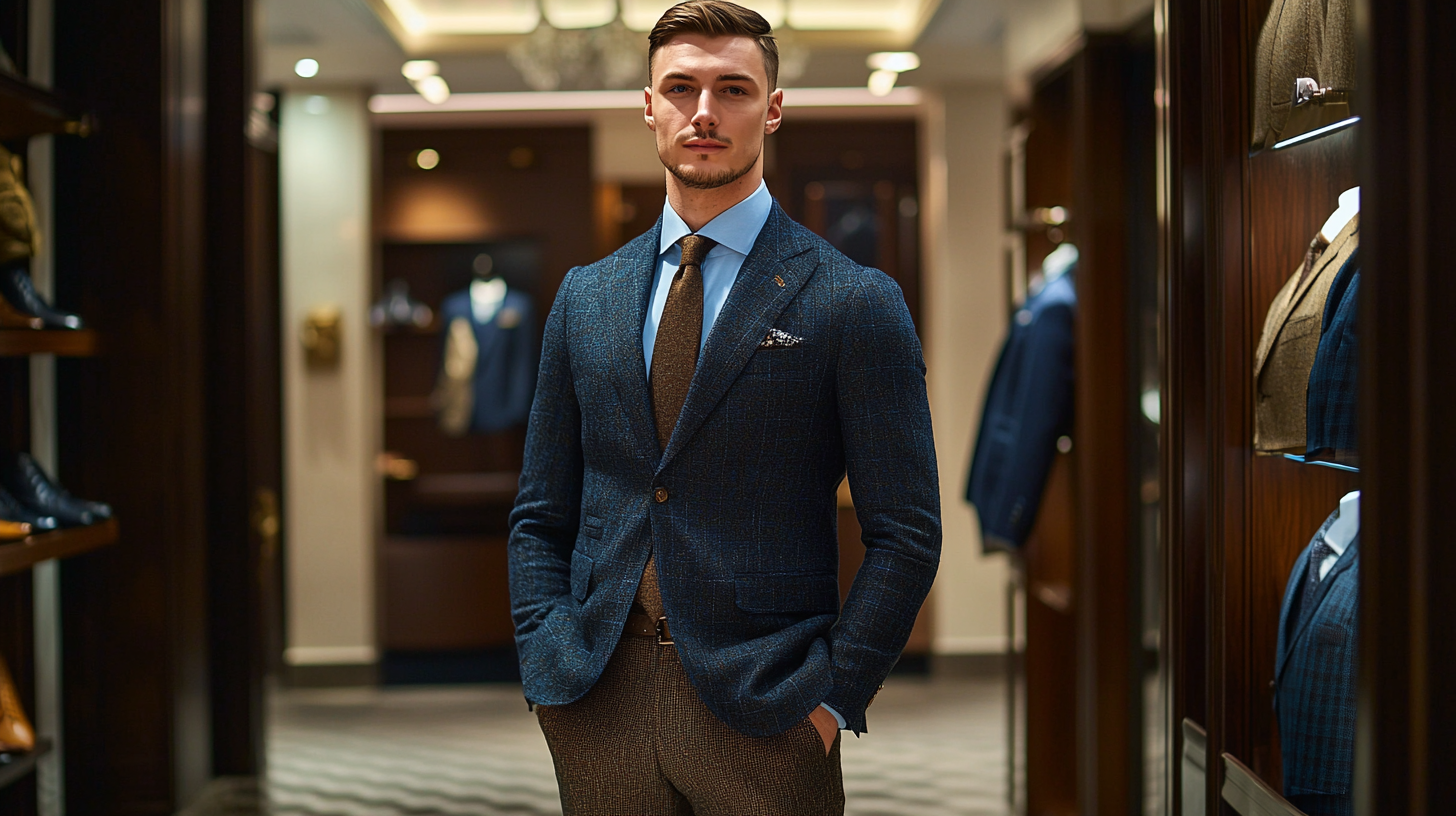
(505, 370)
(1315, 682)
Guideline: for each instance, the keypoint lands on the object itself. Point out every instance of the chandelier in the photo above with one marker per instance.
(588, 45)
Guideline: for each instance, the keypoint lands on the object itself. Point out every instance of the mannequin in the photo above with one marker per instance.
(487, 291)
(1349, 208)
(1342, 531)
(1057, 263)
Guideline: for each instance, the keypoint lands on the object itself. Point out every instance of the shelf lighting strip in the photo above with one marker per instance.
(1316, 133)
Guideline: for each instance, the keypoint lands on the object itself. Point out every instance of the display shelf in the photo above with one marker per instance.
(26, 553)
(27, 109)
(22, 342)
(1249, 795)
(15, 767)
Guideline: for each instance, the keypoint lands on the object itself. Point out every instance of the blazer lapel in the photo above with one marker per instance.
(1290, 297)
(1344, 563)
(636, 264)
(771, 276)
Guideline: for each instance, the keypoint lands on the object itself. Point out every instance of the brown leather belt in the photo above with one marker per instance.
(645, 626)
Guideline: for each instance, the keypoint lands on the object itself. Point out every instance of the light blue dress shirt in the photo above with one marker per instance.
(735, 230)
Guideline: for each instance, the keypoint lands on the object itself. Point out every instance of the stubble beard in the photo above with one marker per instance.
(709, 180)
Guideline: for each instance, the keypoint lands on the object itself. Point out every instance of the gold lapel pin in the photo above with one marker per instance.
(779, 281)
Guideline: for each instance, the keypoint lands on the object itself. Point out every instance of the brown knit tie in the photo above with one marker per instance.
(674, 359)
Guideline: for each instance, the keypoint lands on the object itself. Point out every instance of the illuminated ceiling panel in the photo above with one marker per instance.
(419, 23)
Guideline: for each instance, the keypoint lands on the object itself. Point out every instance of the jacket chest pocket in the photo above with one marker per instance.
(581, 570)
(783, 364)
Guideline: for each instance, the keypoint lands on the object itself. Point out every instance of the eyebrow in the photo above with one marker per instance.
(721, 77)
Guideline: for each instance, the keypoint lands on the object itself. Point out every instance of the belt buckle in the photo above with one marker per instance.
(664, 635)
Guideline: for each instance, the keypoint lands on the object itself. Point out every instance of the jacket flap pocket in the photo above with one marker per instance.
(787, 592)
(581, 570)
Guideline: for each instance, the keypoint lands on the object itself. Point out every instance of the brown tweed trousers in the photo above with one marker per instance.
(641, 742)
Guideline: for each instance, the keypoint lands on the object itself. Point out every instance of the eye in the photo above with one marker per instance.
(734, 90)
(678, 89)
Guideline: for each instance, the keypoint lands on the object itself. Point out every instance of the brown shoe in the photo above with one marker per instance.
(16, 735)
(13, 530)
(13, 318)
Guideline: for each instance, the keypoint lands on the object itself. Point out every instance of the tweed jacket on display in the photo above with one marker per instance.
(1333, 381)
(1287, 347)
(1309, 39)
(1315, 676)
(740, 508)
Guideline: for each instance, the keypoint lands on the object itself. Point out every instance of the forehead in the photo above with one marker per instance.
(699, 54)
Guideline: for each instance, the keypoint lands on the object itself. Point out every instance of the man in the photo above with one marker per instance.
(702, 393)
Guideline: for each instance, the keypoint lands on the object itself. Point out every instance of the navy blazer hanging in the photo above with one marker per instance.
(1028, 407)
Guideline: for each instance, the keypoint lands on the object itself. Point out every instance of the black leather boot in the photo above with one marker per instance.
(26, 481)
(12, 510)
(16, 286)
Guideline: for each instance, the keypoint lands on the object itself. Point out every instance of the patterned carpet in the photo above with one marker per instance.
(937, 747)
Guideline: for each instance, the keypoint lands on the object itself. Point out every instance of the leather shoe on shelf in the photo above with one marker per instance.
(13, 318)
(23, 477)
(13, 530)
(16, 287)
(16, 733)
(12, 509)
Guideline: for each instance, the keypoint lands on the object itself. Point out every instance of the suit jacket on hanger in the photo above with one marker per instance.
(1333, 385)
(811, 369)
(504, 378)
(1313, 39)
(1287, 347)
(1315, 681)
(1028, 406)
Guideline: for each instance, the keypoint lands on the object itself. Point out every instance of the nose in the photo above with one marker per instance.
(705, 118)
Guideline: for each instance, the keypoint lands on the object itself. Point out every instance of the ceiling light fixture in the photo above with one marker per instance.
(887, 67)
(424, 75)
(306, 68)
(579, 13)
(427, 159)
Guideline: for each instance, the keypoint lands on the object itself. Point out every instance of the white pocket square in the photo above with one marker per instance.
(780, 339)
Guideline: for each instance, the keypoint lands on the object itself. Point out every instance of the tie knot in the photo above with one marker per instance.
(694, 249)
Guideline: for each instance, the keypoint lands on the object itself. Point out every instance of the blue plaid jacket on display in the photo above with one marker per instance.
(746, 544)
(1332, 380)
(1315, 676)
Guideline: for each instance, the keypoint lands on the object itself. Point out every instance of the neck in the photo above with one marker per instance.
(698, 207)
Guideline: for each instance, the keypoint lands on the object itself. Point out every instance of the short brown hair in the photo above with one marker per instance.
(716, 18)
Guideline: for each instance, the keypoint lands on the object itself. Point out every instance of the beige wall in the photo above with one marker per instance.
(623, 149)
(331, 419)
(962, 129)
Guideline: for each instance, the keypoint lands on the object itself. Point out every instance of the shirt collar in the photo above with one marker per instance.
(736, 228)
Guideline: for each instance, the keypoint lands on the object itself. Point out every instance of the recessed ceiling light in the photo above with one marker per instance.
(415, 70)
(897, 61)
(427, 159)
(434, 89)
(882, 82)
(306, 68)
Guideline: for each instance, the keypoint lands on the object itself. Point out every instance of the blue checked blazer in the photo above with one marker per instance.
(1315, 677)
(1333, 385)
(1028, 405)
(746, 543)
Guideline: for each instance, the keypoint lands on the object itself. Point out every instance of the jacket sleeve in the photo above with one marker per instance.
(546, 515)
(890, 458)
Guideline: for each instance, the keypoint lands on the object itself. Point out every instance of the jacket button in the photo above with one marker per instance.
(660, 494)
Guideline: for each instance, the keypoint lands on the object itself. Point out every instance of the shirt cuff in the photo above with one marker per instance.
(837, 718)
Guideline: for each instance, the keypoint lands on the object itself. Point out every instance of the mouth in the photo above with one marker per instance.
(705, 146)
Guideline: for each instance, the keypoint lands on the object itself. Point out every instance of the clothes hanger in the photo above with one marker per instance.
(487, 291)
(1348, 209)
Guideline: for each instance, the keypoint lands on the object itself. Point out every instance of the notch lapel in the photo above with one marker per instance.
(754, 303)
(625, 316)
(1344, 563)
(1339, 249)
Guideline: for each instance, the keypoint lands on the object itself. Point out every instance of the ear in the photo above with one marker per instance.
(647, 110)
(775, 112)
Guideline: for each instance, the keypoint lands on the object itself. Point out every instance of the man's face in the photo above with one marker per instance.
(710, 106)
